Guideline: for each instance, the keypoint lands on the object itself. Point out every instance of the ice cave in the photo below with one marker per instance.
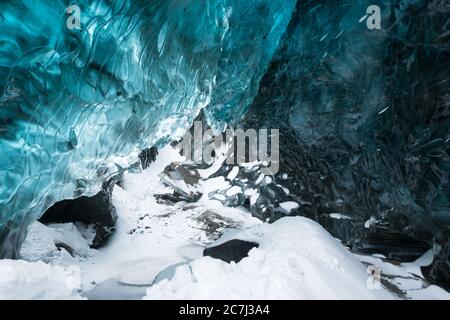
(101, 199)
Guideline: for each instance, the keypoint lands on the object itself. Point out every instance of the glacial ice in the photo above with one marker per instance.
(364, 124)
(78, 104)
(363, 113)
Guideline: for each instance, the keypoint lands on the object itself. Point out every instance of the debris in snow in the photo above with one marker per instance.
(406, 279)
(183, 181)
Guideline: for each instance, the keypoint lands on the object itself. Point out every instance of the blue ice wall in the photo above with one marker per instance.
(364, 116)
(77, 103)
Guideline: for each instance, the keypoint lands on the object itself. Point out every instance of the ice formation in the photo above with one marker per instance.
(362, 107)
(364, 124)
(78, 103)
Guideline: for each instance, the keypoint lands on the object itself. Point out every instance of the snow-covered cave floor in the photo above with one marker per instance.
(156, 253)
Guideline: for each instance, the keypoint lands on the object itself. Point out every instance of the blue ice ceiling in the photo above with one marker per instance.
(78, 102)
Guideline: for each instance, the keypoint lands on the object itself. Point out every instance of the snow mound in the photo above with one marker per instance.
(54, 243)
(38, 281)
(296, 259)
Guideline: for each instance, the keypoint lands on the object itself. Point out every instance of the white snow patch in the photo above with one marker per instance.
(214, 184)
(408, 277)
(293, 261)
(429, 293)
(42, 241)
(289, 205)
(260, 178)
(233, 191)
(38, 281)
(370, 222)
(296, 259)
(250, 192)
(219, 197)
(150, 236)
(233, 173)
(253, 198)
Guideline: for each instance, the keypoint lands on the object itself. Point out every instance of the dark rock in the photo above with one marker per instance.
(214, 224)
(65, 246)
(177, 197)
(179, 172)
(233, 250)
(439, 270)
(392, 245)
(147, 156)
(97, 210)
(183, 179)
(169, 198)
(102, 234)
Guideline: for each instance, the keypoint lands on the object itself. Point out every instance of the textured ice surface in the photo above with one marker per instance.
(76, 103)
(364, 119)
(364, 114)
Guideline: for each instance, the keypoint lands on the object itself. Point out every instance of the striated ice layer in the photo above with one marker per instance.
(364, 116)
(79, 103)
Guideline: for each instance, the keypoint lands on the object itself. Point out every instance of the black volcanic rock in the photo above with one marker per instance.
(233, 250)
(147, 156)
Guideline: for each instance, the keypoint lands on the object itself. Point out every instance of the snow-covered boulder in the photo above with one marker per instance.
(296, 259)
